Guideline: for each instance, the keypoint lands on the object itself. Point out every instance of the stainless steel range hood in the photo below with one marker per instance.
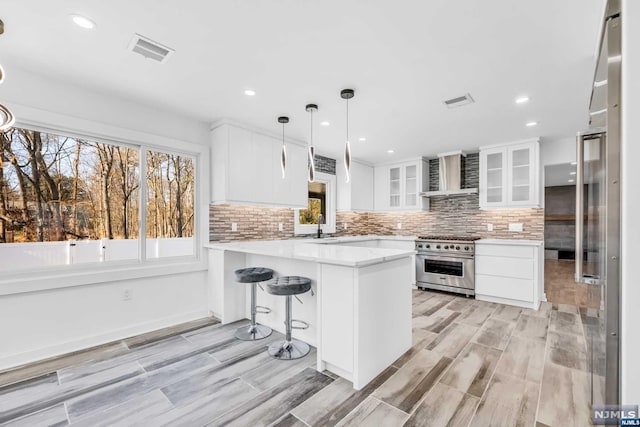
(451, 174)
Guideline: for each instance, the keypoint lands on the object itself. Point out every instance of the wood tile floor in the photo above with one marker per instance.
(472, 364)
(561, 288)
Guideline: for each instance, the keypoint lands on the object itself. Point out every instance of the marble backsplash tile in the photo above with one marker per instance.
(459, 215)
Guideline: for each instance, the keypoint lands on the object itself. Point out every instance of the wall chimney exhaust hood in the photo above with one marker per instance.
(451, 173)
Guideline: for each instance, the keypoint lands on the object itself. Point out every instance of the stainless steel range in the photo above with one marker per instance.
(446, 263)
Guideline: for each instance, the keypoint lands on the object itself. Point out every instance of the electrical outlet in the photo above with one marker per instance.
(345, 226)
(234, 226)
(399, 226)
(516, 226)
(489, 227)
(280, 227)
(126, 295)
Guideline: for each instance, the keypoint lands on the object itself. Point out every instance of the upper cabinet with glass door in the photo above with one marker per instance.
(398, 186)
(509, 175)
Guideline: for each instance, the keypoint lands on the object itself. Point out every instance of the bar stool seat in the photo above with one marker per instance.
(254, 275)
(289, 286)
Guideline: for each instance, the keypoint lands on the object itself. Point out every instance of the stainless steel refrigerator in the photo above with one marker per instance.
(598, 216)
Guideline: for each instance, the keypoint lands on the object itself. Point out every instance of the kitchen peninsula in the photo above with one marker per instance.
(359, 307)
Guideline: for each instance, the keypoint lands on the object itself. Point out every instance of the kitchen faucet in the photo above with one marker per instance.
(320, 221)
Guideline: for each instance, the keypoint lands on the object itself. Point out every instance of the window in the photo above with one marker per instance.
(321, 201)
(170, 205)
(67, 200)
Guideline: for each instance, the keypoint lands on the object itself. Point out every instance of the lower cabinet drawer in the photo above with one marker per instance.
(504, 287)
(521, 268)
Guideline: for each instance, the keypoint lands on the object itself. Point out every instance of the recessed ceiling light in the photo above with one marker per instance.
(572, 173)
(325, 123)
(83, 22)
(572, 180)
(362, 139)
(390, 151)
(531, 124)
(522, 99)
(599, 83)
(249, 92)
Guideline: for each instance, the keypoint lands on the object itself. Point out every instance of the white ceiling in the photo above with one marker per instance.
(403, 58)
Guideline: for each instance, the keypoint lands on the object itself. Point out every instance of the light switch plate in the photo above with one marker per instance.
(345, 226)
(234, 226)
(280, 227)
(516, 226)
(399, 226)
(489, 227)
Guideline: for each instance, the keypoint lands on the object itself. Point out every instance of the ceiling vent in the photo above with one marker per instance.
(459, 101)
(149, 48)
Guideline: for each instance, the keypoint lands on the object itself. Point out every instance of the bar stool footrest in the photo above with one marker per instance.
(301, 324)
(262, 309)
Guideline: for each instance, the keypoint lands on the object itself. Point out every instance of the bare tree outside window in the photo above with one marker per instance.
(85, 195)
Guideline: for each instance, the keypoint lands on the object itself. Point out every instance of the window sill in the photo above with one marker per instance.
(25, 282)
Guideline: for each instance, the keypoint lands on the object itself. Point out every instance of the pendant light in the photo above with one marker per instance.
(283, 155)
(347, 94)
(310, 108)
(6, 117)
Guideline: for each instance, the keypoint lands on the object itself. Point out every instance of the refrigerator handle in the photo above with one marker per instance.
(579, 258)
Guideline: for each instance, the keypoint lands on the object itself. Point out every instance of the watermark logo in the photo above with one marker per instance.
(614, 414)
(629, 422)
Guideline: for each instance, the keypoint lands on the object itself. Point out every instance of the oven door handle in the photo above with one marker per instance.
(444, 257)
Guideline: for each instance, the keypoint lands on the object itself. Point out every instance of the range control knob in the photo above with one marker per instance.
(427, 246)
(457, 248)
(420, 245)
(466, 248)
(446, 247)
(437, 246)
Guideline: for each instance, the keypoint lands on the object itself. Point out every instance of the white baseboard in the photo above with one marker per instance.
(517, 303)
(83, 343)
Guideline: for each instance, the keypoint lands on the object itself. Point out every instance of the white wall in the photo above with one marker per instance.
(42, 324)
(630, 287)
(45, 314)
(22, 87)
(554, 151)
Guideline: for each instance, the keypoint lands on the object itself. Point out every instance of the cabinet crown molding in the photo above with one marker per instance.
(506, 144)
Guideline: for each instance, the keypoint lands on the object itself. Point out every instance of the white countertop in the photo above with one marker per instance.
(307, 250)
(511, 242)
(346, 239)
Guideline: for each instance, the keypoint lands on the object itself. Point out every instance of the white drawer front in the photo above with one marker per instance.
(519, 268)
(505, 250)
(504, 287)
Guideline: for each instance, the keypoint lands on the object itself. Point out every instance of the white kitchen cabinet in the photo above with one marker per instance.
(510, 272)
(357, 194)
(246, 169)
(398, 186)
(510, 175)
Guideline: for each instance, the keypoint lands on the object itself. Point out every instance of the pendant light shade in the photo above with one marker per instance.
(283, 154)
(311, 108)
(347, 94)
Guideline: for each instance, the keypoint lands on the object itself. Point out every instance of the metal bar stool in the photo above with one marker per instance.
(254, 275)
(289, 286)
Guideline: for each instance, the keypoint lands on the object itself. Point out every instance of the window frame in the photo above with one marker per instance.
(61, 276)
(330, 221)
